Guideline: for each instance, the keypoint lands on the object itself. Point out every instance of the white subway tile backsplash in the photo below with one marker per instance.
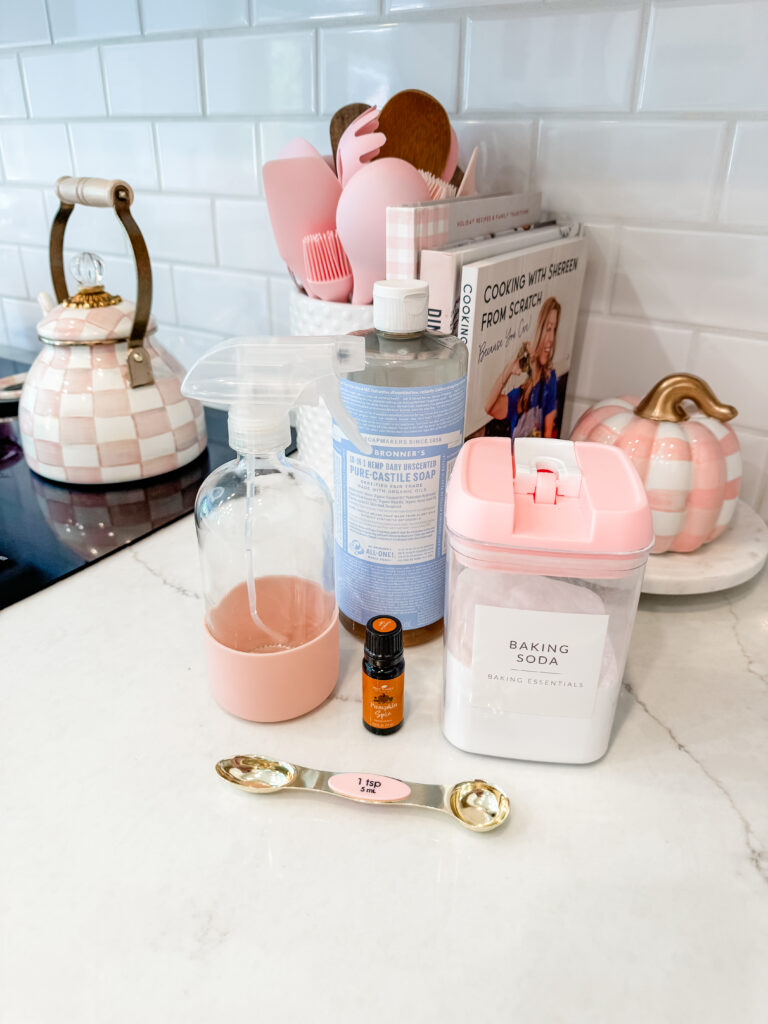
(621, 113)
(74, 20)
(601, 245)
(21, 319)
(745, 200)
(187, 345)
(89, 228)
(624, 168)
(732, 365)
(37, 271)
(115, 149)
(64, 83)
(275, 134)
(504, 153)
(568, 60)
(12, 272)
(245, 237)
(35, 152)
(706, 57)
(370, 64)
(22, 216)
(11, 93)
(23, 23)
(432, 5)
(622, 357)
(176, 227)
(215, 157)
(120, 277)
(260, 74)
(153, 78)
(698, 277)
(754, 457)
(182, 15)
(214, 300)
(307, 10)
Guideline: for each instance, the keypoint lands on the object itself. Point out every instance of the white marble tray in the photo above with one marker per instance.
(735, 557)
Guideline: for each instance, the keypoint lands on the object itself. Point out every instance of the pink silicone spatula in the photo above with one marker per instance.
(361, 217)
(302, 195)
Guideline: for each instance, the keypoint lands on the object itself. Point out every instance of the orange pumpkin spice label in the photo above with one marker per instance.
(383, 701)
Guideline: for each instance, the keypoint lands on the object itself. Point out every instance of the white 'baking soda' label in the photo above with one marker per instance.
(537, 663)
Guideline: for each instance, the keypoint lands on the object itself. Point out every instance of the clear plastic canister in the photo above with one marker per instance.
(535, 651)
(536, 637)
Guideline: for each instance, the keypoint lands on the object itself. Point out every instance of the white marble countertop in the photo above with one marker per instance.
(138, 886)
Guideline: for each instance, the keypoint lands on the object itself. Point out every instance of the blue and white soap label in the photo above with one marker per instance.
(390, 505)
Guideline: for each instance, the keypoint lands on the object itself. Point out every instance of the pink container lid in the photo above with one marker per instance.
(554, 495)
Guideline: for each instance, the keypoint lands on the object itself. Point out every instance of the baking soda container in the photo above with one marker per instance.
(265, 527)
(546, 552)
(389, 506)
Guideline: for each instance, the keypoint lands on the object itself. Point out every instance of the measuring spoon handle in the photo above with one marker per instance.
(370, 788)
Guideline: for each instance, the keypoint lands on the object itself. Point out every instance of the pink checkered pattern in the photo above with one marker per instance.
(97, 522)
(90, 325)
(82, 423)
(691, 470)
(411, 229)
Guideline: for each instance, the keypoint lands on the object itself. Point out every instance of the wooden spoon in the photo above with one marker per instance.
(417, 130)
(342, 119)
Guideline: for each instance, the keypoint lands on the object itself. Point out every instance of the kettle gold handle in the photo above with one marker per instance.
(664, 402)
(119, 195)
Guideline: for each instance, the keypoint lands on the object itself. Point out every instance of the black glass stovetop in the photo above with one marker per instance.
(50, 530)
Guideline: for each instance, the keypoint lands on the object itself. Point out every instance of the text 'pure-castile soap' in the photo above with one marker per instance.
(390, 505)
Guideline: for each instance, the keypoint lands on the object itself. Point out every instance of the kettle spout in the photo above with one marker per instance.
(45, 301)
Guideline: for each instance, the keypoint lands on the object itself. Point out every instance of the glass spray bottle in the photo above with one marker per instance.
(265, 527)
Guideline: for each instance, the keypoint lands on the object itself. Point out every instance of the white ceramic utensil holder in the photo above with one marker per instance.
(314, 427)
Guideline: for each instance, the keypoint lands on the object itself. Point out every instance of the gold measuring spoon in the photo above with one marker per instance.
(477, 805)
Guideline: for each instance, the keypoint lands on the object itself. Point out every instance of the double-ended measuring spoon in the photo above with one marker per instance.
(477, 805)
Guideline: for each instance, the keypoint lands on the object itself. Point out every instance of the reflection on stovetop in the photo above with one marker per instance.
(50, 530)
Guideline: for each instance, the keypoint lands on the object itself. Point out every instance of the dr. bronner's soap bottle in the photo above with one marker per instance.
(389, 506)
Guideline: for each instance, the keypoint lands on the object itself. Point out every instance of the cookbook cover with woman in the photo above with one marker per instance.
(518, 317)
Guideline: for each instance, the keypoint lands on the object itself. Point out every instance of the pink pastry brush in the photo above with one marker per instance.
(328, 274)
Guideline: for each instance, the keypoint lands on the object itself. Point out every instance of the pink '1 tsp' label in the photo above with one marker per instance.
(369, 787)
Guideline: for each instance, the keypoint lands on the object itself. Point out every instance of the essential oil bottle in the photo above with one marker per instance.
(383, 675)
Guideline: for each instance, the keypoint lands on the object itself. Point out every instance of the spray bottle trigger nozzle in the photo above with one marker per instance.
(328, 389)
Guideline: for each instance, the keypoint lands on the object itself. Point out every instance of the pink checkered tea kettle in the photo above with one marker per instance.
(102, 402)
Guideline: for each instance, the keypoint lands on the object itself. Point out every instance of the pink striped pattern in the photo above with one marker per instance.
(691, 470)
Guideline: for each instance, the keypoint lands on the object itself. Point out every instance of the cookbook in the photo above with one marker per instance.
(517, 315)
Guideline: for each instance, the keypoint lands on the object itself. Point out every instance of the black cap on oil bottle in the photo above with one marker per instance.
(384, 637)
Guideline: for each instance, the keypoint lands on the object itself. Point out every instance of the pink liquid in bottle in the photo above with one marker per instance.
(292, 611)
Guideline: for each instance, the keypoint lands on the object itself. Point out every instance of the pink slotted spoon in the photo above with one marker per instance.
(359, 144)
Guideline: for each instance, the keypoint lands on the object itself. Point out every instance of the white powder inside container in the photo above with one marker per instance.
(474, 720)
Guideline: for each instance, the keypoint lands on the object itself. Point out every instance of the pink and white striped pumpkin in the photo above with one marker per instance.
(690, 466)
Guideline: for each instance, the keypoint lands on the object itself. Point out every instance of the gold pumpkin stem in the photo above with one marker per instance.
(664, 401)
